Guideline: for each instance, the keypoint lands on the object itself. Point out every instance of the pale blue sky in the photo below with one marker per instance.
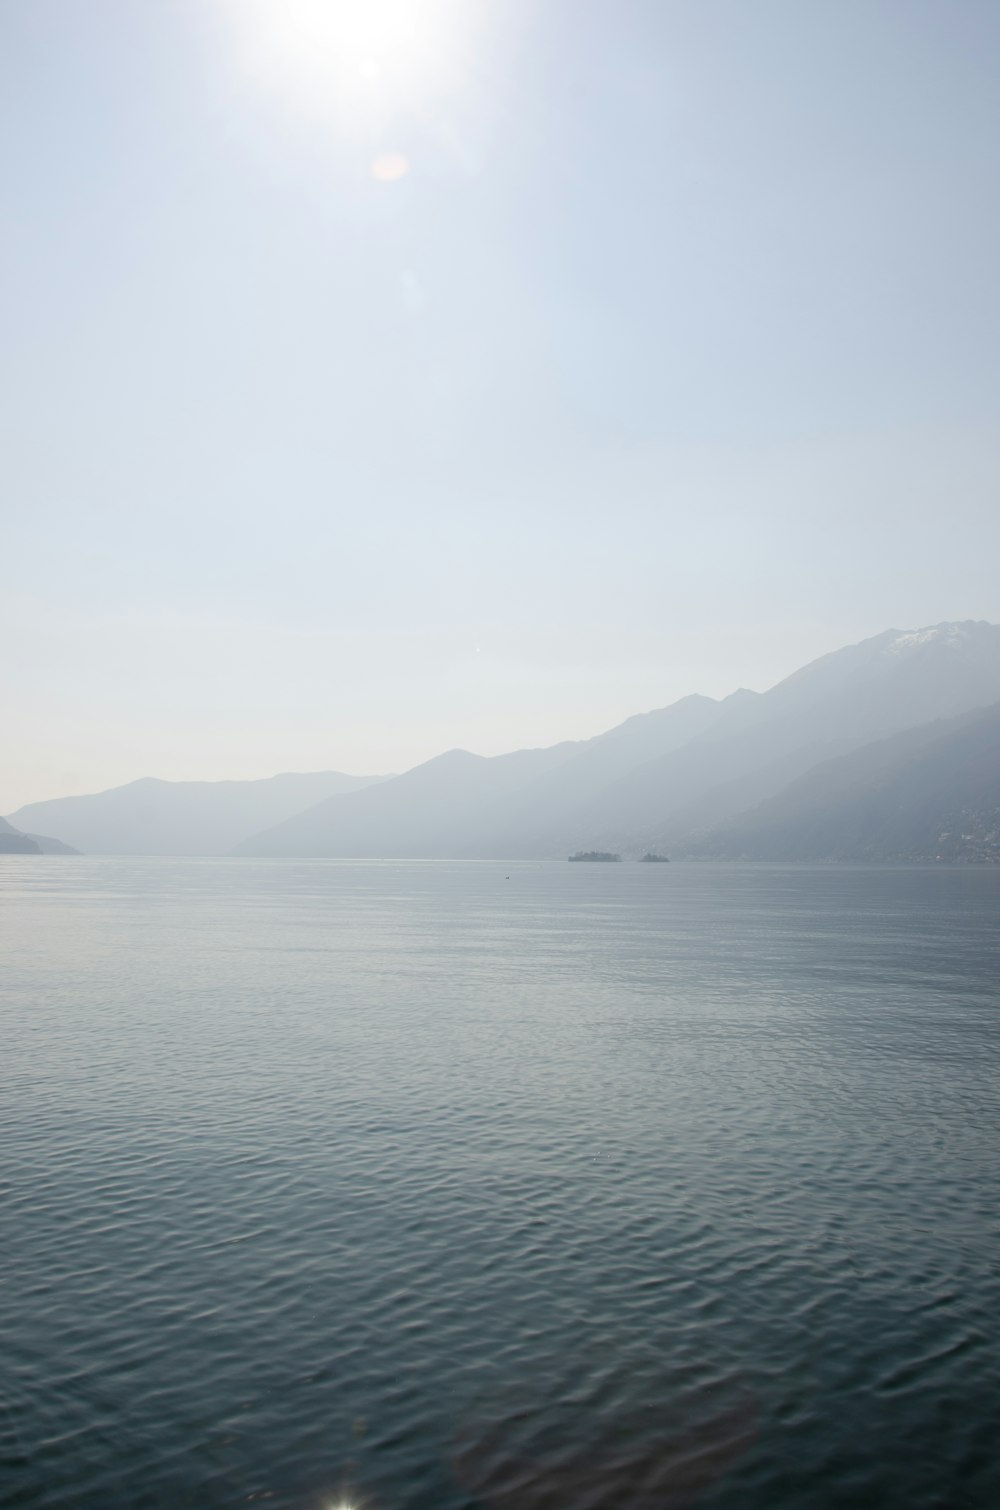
(671, 362)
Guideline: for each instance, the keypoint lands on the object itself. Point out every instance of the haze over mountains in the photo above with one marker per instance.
(851, 757)
(14, 842)
(152, 817)
(929, 793)
(466, 805)
(664, 778)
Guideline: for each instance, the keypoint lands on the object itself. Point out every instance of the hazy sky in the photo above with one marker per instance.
(382, 377)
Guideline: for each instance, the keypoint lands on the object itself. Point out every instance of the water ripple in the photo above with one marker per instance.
(404, 1185)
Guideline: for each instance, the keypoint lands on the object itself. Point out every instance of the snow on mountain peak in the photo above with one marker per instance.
(906, 640)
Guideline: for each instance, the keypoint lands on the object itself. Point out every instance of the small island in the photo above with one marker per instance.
(650, 859)
(594, 854)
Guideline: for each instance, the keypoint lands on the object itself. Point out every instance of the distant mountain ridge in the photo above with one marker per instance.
(463, 805)
(662, 778)
(150, 816)
(930, 793)
(701, 776)
(842, 701)
(14, 842)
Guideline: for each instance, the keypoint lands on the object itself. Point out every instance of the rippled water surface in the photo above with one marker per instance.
(461, 1185)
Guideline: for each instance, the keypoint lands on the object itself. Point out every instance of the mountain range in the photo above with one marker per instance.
(14, 842)
(929, 793)
(662, 779)
(152, 817)
(880, 750)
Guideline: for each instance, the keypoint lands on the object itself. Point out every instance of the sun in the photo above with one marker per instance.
(362, 63)
(366, 37)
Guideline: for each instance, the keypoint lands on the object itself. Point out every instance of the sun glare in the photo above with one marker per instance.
(365, 63)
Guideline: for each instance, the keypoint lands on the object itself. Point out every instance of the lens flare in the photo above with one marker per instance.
(363, 63)
(388, 167)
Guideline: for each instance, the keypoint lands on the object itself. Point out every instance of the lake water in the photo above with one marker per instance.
(462, 1185)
